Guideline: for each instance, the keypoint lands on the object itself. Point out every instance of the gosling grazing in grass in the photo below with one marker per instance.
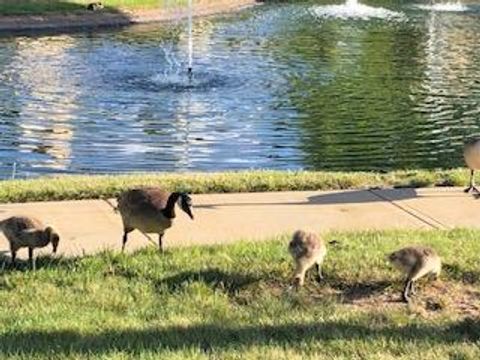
(95, 6)
(24, 231)
(471, 154)
(307, 250)
(150, 210)
(416, 261)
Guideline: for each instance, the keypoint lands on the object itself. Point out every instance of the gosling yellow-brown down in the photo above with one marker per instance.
(26, 231)
(307, 250)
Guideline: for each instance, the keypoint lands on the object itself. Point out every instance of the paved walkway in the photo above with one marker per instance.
(90, 226)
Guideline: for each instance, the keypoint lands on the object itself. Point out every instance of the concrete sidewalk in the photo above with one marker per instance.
(92, 225)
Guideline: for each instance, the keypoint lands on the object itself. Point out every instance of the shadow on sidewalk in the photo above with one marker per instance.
(348, 197)
(341, 197)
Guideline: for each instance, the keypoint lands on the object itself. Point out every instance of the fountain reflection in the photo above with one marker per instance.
(46, 114)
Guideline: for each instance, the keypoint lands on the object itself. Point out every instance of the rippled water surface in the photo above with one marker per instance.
(279, 86)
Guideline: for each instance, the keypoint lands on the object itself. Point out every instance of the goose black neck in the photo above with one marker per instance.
(169, 210)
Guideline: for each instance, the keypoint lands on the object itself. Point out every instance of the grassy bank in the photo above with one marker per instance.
(22, 7)
(232, 302)
(94, 187)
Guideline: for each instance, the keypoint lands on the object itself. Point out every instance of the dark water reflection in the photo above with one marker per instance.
(274, 87)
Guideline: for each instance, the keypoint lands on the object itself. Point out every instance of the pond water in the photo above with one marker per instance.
(289, 86)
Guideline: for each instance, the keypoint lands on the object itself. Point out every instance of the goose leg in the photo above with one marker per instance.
(160, 242)
(318, 268)
(472, 187)
(31, 259)
(125, 237)
(14, 257)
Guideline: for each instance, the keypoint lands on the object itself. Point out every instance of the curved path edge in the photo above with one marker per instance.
(87, 19)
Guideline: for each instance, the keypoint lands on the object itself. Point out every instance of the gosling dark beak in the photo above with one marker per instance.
(55, 249)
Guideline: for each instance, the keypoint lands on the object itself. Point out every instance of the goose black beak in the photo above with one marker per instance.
(189, 213)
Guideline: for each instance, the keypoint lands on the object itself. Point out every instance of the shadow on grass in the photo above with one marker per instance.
(228, 282)
(360, 290)
(41, 262)
(218, 337)
(467, 276)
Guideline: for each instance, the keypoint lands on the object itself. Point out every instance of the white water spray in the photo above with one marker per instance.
(456, 6)
(352, 9)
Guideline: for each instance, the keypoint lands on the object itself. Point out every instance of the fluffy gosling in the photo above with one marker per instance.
(471, 154)
(307, 250)
(24, 231)
(95, 6)
(416, 261)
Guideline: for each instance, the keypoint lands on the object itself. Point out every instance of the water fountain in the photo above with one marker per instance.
(173, 76)
(353, 9)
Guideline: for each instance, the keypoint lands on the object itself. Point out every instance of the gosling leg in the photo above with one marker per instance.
(406, 291)
(299, 277)
(318, 268)
(413, 288)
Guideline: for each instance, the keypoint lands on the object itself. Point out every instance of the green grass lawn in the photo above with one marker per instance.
(94, 187)
(12, 7)
(234, 302)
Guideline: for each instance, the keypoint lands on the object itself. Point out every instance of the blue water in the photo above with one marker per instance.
(277, 86)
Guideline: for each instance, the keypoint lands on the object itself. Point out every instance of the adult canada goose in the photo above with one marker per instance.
(471, 154)
(416, 261)
(307, 250)
(150, 210)
(24, 231)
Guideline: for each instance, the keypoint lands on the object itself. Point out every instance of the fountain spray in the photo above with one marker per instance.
(190, 39)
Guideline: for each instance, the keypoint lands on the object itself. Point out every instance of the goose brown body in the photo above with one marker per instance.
(307, 250)
(150, 210)
(416, 261)
(25, 231)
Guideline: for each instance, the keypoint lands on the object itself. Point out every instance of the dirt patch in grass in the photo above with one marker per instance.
(432, 299)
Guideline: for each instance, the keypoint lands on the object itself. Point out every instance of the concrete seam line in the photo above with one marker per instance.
(425, 215)
(434, 224)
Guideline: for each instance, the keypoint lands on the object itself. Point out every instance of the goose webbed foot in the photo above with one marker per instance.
(472, 189)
